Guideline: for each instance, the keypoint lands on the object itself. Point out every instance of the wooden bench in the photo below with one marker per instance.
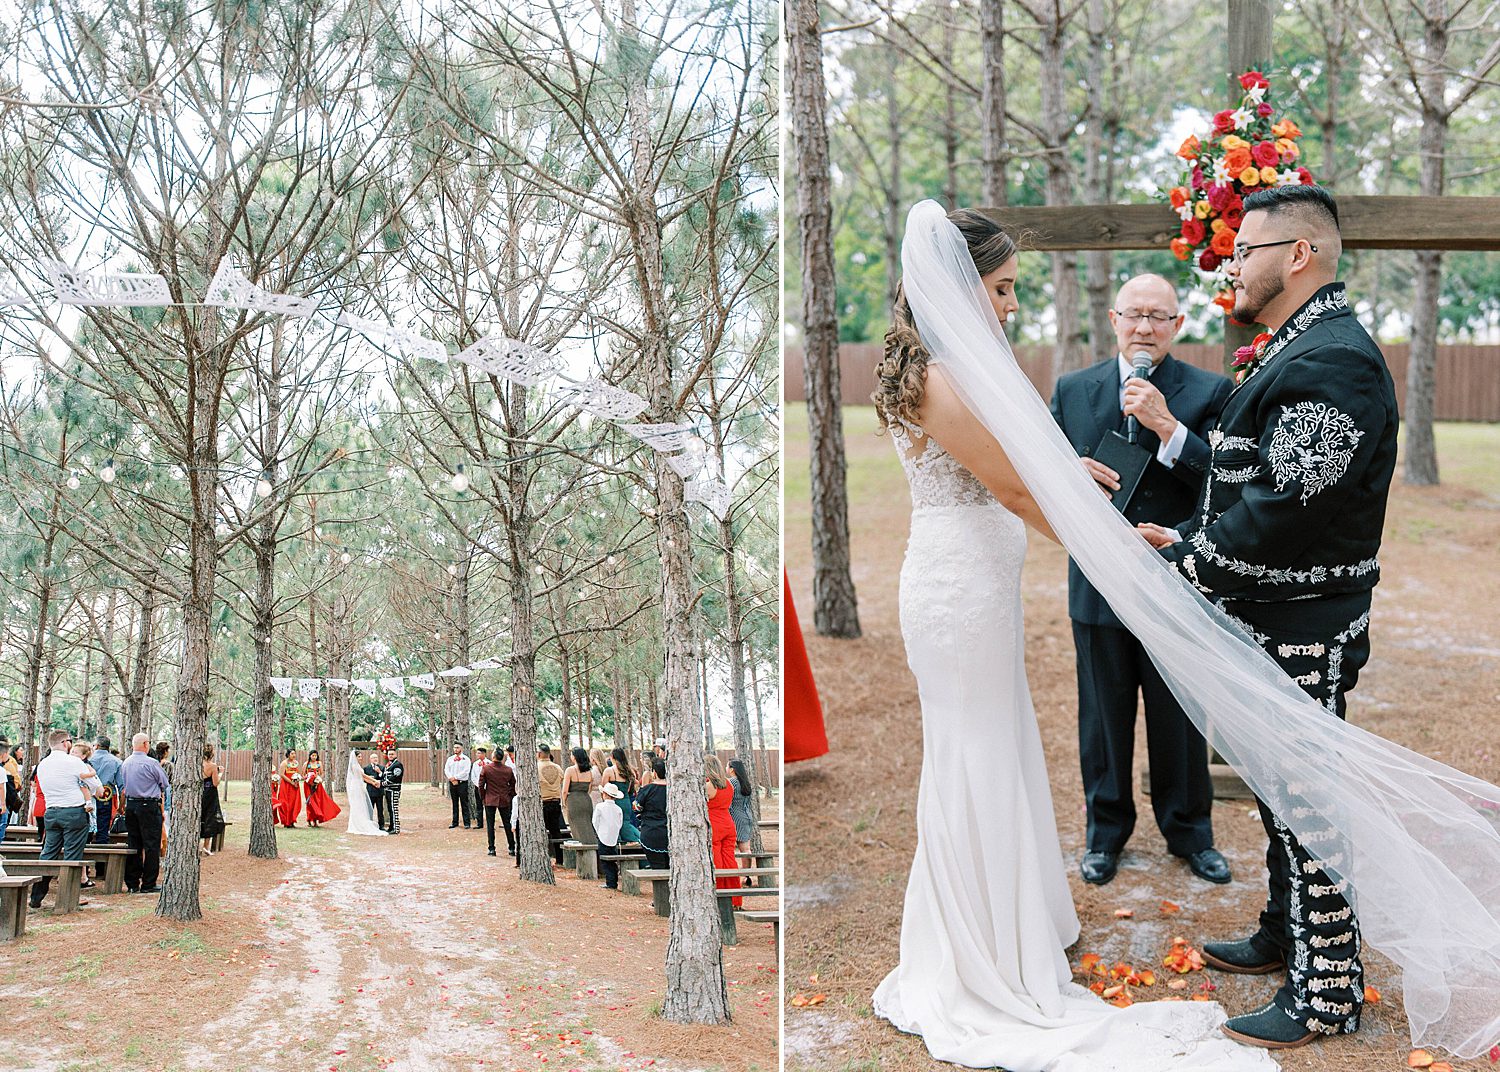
(27, 834)
(763, 861)
(727, 910)
(218, 845)
(661, 887)
(68, 873)
(628, 882)
(773, 918)
(112, 857)
(585, 858)
(15, 902)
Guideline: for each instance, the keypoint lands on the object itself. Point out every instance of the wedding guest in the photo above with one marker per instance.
(497, 787)
(371, 773)
(661, 748)
(211, 818)
(719, 793)
(321, 807)
(597, 762)
(1115, 675)
(622, 777)
(481, 757)
(577, 788)
(510, 757)
(163, 756)
(651, 817)
(61, 776)
(289, 792)
(739, 807)
(145, 788)
(607, 822)
(390, 782)
(108, 768)
(550, 775)
(457, 771)
(10, 792)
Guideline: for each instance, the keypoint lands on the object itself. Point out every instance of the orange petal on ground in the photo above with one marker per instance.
(1168, 908)
(1177, 984)
(1114, 991)
(1123, 913)
(1419, 1059)
(1372, 996)
(1088, 962)
(1440, 1066)
(1148, 977)
(817, 999)
(1097, 986)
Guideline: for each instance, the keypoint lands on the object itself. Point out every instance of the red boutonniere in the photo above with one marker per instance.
(1247, 358)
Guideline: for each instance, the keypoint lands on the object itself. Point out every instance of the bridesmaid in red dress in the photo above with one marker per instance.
(720, 795)
(805, 738)
(289, 791)
(321, 807)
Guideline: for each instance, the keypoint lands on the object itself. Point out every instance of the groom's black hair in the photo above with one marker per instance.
(1297, 199)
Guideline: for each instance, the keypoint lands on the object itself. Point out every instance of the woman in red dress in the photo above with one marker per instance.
(320, 806)
(805, 738)
(289, 791)
(720, 795)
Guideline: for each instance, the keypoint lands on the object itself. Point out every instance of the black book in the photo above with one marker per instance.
(1125, 458)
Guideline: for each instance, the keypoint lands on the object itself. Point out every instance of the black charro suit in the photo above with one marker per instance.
(1113, 667)
(1285, 540)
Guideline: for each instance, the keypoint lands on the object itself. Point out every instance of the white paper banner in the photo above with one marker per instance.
(231, 289)
(686, 464)
(338, 683)
(422, 681)
(75, 287)
(310, 688)
(396, 686)
(603, 399)
(282, 685)
(486, 664)
(365, 685)
(455, 671)
(710, 493)
(11, 293)
(510, 359)
(664, 437)
(393, 339)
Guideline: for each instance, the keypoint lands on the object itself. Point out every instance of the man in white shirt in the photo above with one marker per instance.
(458, 770)
(608, 818)
(61, 776)
(481, 760)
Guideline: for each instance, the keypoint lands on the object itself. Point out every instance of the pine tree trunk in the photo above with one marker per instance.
(101, 720)
(534, 850)
(1420, 466)
(950, 117)
(992, 131)
(135, 719)
(894, 217)
(835, 609)
(1096, 190)
(1070, 352)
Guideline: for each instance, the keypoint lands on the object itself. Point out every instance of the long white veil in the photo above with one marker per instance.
(361, 811)
(1417, 841)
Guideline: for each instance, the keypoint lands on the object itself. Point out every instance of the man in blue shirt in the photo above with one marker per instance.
(145, 788)
(110, 772)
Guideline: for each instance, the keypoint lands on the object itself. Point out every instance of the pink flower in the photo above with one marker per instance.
(1208, 260)
(1197, 178)
(1224, 121)
(1265, 154)
(1219, 195)
(1264, 109)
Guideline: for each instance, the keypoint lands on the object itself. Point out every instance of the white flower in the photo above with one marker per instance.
(1242, 118)
(1185, 212)
(1221, 171)
(1256, 93)
(1288, 177)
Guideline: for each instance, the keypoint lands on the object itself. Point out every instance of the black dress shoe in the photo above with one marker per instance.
(1245, 957)
(1099, 867)
(1268, 1027)
(1210, 865)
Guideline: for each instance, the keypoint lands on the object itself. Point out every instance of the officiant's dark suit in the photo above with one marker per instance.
(1113, 667)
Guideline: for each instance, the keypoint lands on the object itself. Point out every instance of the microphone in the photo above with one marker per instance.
(1140, 364)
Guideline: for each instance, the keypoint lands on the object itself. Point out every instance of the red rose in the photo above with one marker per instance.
(1224, 121)
(1305, 176)
(1219, 195)
(1192, 231)
(1208, 260)
(1197, 178)
(1234, 214)
(1264, 109)
(1251, 79)
(1265, 154)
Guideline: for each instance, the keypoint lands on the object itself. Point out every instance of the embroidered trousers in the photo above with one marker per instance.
(1321, 644)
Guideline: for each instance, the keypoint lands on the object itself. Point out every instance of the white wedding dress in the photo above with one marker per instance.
(361, 811)
(983, 976)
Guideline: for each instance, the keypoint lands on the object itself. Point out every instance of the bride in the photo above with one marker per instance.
(983, 976)
(361, 808)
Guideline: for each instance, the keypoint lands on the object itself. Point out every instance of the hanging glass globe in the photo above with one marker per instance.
(107, 474)
(460, 480)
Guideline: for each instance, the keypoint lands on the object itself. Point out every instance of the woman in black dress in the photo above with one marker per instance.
(651, 817)
(211, 821)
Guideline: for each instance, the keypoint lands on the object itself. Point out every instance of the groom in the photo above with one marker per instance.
(1285, 543)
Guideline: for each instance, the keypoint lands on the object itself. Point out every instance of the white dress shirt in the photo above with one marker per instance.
(457, 767)
(1171, 449)
(608, 818)
(475, 769)
(58, 776)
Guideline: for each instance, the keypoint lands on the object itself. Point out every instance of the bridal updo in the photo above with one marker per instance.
(902, 372)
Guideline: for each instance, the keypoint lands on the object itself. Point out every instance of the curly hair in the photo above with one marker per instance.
(902, 371)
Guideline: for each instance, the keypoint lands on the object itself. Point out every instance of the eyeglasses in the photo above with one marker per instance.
(1241, 251)
(1157, 319)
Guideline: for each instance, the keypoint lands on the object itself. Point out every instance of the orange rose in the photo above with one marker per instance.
(1286, 129)
(1217, 225)
(1223, 243)
(1181, 250)
(1268, 176)
(1237, 160)
(1225, 300)
(1250, 176)
(1234, 141)
(1188, 150)
(1288, 149)
(1179, 196)
(1201, 209)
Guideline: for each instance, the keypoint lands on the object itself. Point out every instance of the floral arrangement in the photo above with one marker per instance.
(1247, 150)
(386, 742)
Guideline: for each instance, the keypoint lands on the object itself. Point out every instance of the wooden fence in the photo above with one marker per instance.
(1468, 377)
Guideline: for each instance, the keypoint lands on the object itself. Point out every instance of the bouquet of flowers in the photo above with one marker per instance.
(386, 742)
(1249, 149)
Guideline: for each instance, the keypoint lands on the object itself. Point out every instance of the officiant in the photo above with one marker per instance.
(1158, 479)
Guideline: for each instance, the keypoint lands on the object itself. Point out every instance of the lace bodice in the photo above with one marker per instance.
(935, 476)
